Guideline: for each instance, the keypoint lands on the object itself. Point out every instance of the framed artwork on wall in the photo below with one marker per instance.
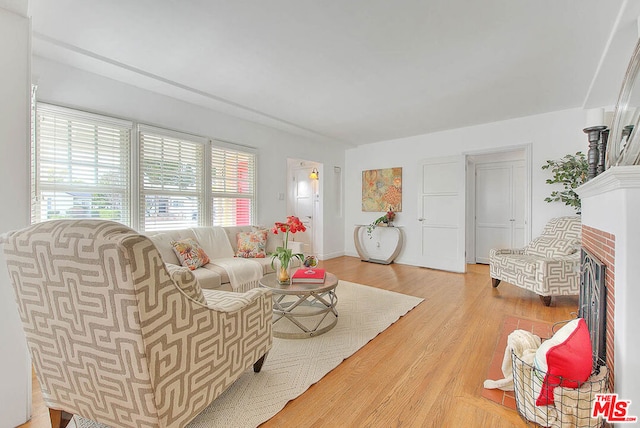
(382, 190)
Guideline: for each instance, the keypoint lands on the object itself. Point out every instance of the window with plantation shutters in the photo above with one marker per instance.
(80, 165)
(171, 177)
(86, 165)
(232, 186)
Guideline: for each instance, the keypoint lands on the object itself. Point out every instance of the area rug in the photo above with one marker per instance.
(540, 328)
(293, 365)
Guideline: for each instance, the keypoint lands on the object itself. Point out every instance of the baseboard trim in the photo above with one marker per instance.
(331, 255)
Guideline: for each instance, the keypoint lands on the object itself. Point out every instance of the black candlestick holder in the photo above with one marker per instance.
(593, 157)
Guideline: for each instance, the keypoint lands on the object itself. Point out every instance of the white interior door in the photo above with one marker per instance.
(442, 209)
(499, 207)
(303, 206)
(519, 210)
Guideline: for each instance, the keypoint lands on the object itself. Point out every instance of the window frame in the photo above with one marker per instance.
(243, 150)
(181, 138)
(136, 208)
(84, 120)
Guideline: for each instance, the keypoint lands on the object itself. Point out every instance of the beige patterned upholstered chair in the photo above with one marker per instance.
(117, 338)
(548, 266)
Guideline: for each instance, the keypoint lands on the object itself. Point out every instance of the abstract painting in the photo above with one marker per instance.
(382, 190)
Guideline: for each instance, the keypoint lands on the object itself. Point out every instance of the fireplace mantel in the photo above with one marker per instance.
(617, 177)
(611, 203)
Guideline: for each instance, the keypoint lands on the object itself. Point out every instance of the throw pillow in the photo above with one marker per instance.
(186, 281)
(565, 360)
(549, 247)
(251, 245)
(190, 253)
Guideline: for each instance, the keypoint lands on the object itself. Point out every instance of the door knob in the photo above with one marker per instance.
(421, 219)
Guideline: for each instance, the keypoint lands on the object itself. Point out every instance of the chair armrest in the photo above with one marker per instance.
(186, 282)
(504, 251)
(559, 275)
(571, 258)
(229, 301)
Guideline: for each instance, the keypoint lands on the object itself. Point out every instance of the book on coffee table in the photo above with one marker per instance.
(308, 276)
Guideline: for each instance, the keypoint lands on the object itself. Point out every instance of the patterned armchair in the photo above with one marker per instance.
(548, 266)
(117, 338)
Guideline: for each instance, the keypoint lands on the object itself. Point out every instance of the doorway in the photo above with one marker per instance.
(303, 201)
(498, 201)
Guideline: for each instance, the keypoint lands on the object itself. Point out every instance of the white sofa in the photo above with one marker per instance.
(212, 276)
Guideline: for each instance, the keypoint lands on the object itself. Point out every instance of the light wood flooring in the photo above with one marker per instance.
(427, 369)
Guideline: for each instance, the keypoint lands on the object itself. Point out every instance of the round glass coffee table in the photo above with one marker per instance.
(302, 310)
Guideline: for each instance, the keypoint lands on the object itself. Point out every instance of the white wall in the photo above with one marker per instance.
(63, 85)
(552, 135)
(611, 203)
(15, 366)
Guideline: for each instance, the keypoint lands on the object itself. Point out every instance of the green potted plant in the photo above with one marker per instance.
(386, 219)
(571, 172)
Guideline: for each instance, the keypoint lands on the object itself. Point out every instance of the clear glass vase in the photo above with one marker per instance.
(283, 275)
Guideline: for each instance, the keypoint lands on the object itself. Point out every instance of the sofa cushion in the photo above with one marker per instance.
(251, 245)
(214, 241)
(209, 277)
(550, 247)
(162, 241)
(190, 253)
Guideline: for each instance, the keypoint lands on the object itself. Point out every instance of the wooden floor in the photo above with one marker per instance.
(427, 369)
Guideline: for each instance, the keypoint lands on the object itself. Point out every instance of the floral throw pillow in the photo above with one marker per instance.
(251, 245)
(190, 253)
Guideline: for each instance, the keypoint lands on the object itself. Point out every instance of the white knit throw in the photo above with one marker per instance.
(244, 274)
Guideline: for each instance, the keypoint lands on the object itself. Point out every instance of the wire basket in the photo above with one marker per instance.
(571, 406)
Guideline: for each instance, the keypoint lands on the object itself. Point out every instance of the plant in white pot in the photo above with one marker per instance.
(386, 220)
(571, 172)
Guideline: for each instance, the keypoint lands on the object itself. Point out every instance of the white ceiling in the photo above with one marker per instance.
(354, 71)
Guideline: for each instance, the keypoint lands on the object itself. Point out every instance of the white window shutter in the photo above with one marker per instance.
(171, 173)
(81, 166)
(232, 186)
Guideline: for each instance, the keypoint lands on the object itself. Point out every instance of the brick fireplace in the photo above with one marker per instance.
(611, 232)
(603, 246)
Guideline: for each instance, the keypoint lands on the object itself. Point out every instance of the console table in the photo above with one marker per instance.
(383, 247)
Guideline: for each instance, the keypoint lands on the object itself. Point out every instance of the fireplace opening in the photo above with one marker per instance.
(592, 304)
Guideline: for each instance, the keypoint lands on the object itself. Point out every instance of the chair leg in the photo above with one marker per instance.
(257, 366)
(495, 282)
(546, 300)
(59, 418)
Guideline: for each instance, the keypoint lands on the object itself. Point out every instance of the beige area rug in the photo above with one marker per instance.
(293, 365)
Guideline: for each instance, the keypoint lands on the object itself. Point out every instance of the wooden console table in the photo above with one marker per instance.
(393, 242)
